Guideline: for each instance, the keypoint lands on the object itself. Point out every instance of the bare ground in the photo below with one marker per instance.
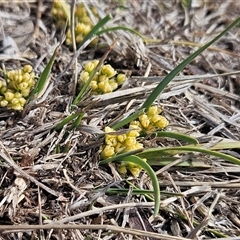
(58, 193)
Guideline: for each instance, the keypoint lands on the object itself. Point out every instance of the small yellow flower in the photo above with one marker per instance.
(113, 84)
(155, 118)
(93, 85)
(107, 152)
(144, 120)
(122, 169)
(121, 78)
(154, 110)
(84, 76)
(108, 70)
(130, 141)
(133, 133)
(89, 67)
(3, 103)
(121, 138)
(27, 68)
(79, 28)
(136, 125)
(25, 92)
(17, 107)
(162, 123)
(8, 95)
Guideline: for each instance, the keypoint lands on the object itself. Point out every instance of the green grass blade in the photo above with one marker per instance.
(176, 150)
(77, 122)
(149, 101)
(43, 79)
(68, 119)
(95, 29)
(148, 169)
(152, 175)
(178, 136)
(119, 28)
(128, 119)
(193, 162)
(120, 156)
(138, 191)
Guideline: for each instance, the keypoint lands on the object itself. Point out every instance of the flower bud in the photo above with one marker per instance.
(3, 103)
(107, 152)
(27, 68)
(107, 70)
(8, 96)
(144, 120)
(121, 78)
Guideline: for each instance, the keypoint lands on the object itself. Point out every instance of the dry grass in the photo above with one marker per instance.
(56, 192)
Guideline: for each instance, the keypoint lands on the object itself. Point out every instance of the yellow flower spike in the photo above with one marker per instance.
(121, 78)
(108, 70)
(8, 96)
(27, 68)
(162, 123)
(3, 103)
(84, 76)
(107, 152)
(144, 120)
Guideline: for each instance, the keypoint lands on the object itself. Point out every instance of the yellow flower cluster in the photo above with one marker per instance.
(60, 11)
(16, 87)
(83, 23)
(115, 144)
(106, 80)
(150, 121)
